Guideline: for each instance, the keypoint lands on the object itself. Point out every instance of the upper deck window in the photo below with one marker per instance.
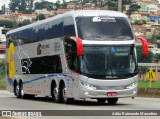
(104, 28)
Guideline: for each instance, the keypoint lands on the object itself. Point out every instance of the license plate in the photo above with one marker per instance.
(112, 94)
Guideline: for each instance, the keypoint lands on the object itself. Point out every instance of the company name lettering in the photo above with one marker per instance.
(45, 46)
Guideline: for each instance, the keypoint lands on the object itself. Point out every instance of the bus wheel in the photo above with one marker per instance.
(65, 99)
(101, 100)
(17, 91)
(56, 94)
(112, 100)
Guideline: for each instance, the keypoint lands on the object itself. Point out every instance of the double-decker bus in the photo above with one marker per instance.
(76, 55)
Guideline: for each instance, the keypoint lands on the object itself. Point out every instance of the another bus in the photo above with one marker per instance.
(76, 55)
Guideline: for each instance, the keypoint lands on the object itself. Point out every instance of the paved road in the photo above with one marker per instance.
(9, 102)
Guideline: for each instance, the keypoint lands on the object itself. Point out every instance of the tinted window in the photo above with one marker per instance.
(104, 28)
(42, 65)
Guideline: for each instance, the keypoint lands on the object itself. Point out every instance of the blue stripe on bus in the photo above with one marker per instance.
(42, 77)
(39, 78)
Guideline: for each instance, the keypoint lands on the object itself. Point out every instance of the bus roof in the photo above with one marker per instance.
(73, 14)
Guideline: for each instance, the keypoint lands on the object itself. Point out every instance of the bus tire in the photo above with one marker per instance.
(101, 100)
(56, 94)
(15, 85)
(112, 100)
(17, 90)
(64, 98)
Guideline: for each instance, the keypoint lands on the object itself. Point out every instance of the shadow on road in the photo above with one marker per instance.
(76, 102)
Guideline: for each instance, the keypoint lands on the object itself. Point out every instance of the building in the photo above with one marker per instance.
(62, 10)
(154, 17)
(2, 45)
(23, 17)
(143, 8)
(139, 30)
(44, 11)
(152, 8)
(140, 16)
(72, 5)
(19, 17)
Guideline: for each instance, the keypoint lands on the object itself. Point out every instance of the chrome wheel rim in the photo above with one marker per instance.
(17, 90)
(64, 94)
(55, 93)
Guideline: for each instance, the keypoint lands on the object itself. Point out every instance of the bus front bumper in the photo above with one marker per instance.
(88, 93)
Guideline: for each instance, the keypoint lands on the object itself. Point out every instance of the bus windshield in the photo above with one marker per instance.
(104, 28)
(109, 60)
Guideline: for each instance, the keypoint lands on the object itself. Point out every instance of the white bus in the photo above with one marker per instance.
(76, 55)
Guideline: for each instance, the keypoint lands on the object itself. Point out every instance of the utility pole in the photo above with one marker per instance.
(120, 5)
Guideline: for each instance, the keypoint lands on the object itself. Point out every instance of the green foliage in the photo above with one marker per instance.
(1, 12)
(25, 22)
(142, 69)
(158, 36)
(153, 40)
(112, 5)
(40, 17)
(8, 23)
(140, 22)
(133, 7)
(158, 45)
(21, 5)
(2, 83)
(157, 57)
(45, 5)
(144, 59)
(2, 69)
(155, 84)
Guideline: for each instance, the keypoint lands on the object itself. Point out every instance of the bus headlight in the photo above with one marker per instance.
(132, 85)
(88, 86)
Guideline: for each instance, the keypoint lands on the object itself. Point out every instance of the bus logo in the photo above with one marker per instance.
(43, 49)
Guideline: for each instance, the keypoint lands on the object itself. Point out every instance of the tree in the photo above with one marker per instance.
(64, 4)
(21, 5)
(144, 59)
(142, 71)
(112, 5)
(40, 17)
(140, 22)
(158, 36)
(153, 40)
(45, 5)
(14, 5)
(1, 12)
(158, 45)
(8, 23)
(133, 7)
(157, 58)
(25, 22)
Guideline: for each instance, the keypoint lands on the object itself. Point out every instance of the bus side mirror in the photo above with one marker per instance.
(79, 45)
(144, 45)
